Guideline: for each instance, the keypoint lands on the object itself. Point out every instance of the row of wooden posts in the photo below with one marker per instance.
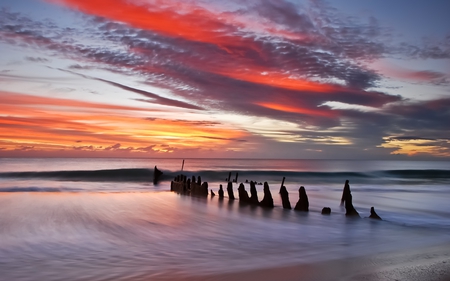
(194, 186)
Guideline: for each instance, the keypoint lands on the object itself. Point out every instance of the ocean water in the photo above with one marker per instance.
(103, 219)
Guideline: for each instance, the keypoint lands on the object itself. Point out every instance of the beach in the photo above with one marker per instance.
(56, 225)
(426, 263)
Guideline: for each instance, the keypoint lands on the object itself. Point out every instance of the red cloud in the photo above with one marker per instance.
(299, 110)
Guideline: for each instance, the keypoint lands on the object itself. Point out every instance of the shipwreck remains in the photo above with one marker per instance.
(181, 184)
(195, 187)
(285, 197)
(156, 175)
(347, 199)
(303, 203)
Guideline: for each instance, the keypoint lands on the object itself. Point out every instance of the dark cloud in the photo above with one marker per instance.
(149, 148)
(154, 98)
(428, 117)
(85, 147)
(113, 147)
(430, 49)
(219, 138)
(284, 13)
(79, 67)
(191, 122)
(405, 138)
(37, 59)
(348, 37)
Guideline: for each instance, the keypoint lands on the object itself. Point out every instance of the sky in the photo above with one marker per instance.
(304, 79)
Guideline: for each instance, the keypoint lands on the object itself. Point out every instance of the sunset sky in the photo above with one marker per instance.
(346, 79)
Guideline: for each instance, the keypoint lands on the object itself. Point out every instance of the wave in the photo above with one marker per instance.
(424, 175)
(421, 174)
(146, 175)
(36, 189)
(131, 175)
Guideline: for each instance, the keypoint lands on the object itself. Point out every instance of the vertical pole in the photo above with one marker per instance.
(182, 166)
(282, 183)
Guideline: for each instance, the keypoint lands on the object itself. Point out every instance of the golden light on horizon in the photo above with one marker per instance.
(38, 123)
(413, 147)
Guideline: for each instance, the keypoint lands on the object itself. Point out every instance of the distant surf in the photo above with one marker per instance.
(132, 175)
(146, 175)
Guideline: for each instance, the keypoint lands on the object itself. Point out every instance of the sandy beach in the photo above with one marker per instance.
(428, 263)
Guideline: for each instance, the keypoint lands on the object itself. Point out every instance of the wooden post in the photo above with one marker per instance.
(235, 180)
(229, 176)
(282, 183)
(182, 166)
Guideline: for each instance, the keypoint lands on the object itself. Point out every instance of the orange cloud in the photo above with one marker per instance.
(280, 80)
(44, 124)
(26, 100)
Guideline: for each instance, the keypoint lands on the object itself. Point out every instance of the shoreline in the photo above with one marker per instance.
(431, 263)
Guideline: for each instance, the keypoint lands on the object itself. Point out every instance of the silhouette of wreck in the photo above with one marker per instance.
(347, 199)
(373, 214)
(181, 184)
(195, 187)
(156, 175)
(303, 203)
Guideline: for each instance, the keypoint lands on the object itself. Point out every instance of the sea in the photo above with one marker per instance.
(104, 219)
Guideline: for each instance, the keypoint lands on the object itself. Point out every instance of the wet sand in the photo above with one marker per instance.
(428, 263)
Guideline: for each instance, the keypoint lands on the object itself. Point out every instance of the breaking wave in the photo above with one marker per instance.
(113, 175)
(146, 175)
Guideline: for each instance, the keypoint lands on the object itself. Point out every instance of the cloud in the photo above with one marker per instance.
(45, 124)
(16, 99)
(146, 149)
(302, 66)
(154, 98)
(84, 147)
(430, 49)
(202, 123)
(418, 146)
(285, 14)
(272, 66)
(407, 138)
(392, 71)
(37, 59)
(24, 148)
(113, 147)
(219, 138)
(79, 67)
